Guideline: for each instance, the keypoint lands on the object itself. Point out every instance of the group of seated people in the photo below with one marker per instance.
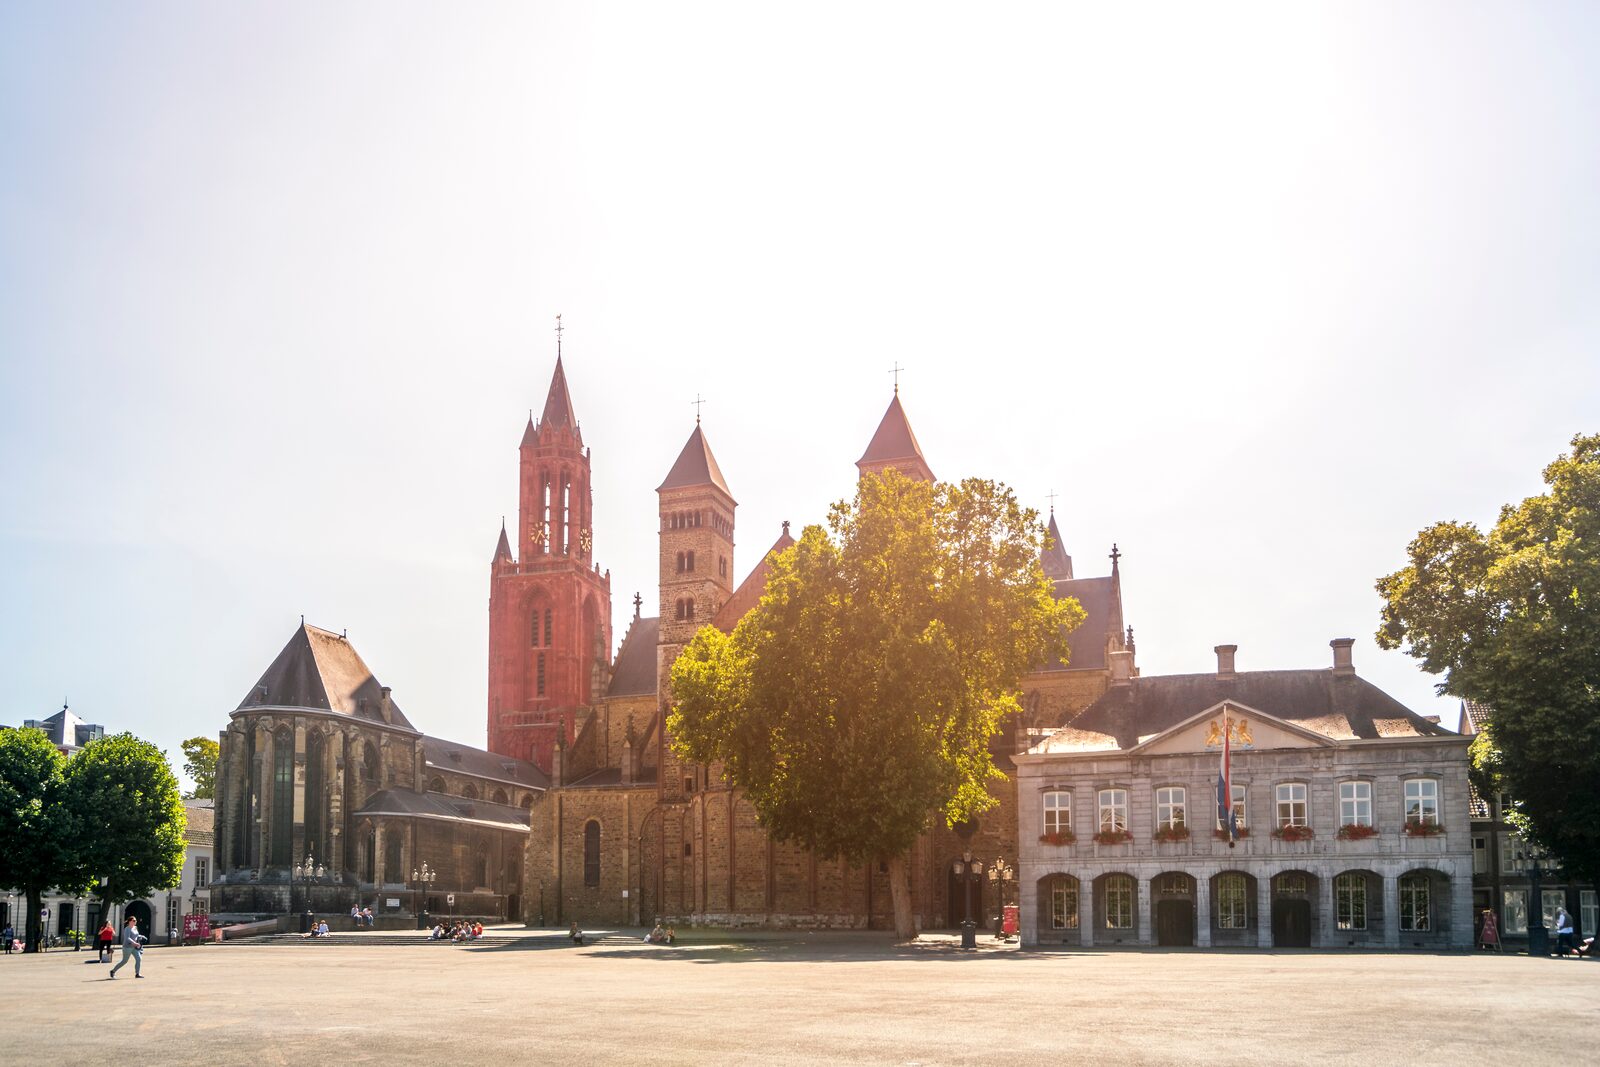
(458, 931)
(659, 936)
(361, 916)
(319, 928)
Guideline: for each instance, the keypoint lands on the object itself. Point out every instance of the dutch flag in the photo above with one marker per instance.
(1225, 815)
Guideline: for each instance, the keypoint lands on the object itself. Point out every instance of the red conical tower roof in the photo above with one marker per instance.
(558, 405)
(894, 445)
(695, 466)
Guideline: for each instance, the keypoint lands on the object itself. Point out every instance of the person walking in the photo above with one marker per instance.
(132, 939)
(8, 934)
(1564, 943)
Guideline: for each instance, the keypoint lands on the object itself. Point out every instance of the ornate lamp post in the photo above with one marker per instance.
(967, 871)
(305, 872)
(420, 881)
(1000, 875)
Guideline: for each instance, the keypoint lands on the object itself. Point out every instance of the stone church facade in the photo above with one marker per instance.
(627, 832)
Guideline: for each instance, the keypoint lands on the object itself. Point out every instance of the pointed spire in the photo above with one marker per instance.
(695, 466)
(1053, 557)
(558, 405)
(502, 551)
(894, 445)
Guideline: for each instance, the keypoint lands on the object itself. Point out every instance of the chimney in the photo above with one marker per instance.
(1121, 668)
(385, 705)
(1342, 663)
(1225, 660)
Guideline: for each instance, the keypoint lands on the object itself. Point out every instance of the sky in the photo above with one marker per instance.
(1259, 291)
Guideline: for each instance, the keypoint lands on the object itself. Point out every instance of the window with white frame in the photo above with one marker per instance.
(1350, 900)
(1480, 855)
(1119, 902)
(1292, 804)
(1239, 806)
(1113, 810)
(1057, 812)
(1550, 901)
(1516, 911)
(202, 871)
(1233, 900)
(1355, 803)
(1064, 904)
(1415, 902)
(173, 904)
(1170, 802)
(1588, 911)
(1422, 800)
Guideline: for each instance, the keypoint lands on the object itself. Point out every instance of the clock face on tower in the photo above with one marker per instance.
(536, 533)
(586, 541)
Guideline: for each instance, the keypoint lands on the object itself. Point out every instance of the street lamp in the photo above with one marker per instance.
(305, 872)
(420, 881)
(1000, 874)
(967, 871)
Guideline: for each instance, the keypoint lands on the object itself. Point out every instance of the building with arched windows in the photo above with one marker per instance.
(1352, 816)
(319, 767)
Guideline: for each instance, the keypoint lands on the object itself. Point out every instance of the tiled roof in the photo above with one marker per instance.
(1477, 807)
(464, 759)
(893, 439)
(748, 595)
(1474, 716)
(1343, 707)
(320, 670)
(695, 466)
(1057, 564)
(445, 808)
(634, 673)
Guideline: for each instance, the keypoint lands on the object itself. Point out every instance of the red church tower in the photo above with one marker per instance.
(549, 604)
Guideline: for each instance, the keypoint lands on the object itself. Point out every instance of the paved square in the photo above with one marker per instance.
(800, 1000)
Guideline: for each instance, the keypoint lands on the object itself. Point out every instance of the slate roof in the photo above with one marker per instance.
(320, 670)
(66, 730)
(695, 466)
(445, 808)
(634, 672)
(748, 595)
(1057, 564)
(558, 404)
(502, 551)
(894, 438)
(1343, 707)
(464, 759)
(1102, 607)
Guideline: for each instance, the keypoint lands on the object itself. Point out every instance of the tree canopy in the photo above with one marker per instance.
(128, 817)
(857, 701)
(36, 839)
(200, 764)
(1511, 618)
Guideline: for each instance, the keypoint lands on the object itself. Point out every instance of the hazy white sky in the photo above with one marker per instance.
(1260, 290)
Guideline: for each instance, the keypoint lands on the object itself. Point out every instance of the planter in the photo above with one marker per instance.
(1423, 829)
(1294, 833)
(1113, 837)
(1169, 834)
(1058, 837)
(1353, 831)
(1222, 835)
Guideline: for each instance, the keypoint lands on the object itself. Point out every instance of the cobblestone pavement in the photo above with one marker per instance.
(794, 999)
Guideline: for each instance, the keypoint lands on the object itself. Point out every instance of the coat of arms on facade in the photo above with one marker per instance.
(1239, 729)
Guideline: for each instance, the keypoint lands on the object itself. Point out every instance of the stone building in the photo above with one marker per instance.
(1354, 814)
(1503, 858)
(320, 769)
(627, 832)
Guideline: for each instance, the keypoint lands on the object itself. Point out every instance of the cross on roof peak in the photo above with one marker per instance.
(698, 400)
(1051, 496)
(560, 329)
(896, 370)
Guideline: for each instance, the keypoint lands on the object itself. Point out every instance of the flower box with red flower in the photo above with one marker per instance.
(1058, 837)
(1179, 832)
(1222, 835)
(1356, 831)
(1294, 833)
(1423, 828)
(1112, 837)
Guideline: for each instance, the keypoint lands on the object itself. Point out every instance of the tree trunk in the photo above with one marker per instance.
(30, 943)
(905, 926)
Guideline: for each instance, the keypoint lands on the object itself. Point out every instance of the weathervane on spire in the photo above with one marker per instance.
(1051, 496)
(698, 400)
(559, 329)
(895, 370)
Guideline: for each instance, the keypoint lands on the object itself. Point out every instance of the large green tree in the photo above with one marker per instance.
(36, 839)
(1511, 618)
(856, 702)
(129, 818)
(200, 764)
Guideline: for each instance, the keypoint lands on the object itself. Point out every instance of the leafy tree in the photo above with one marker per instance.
(1512, 618)
(35, 837)
(128, 818)
(200, 764)
(856, 702)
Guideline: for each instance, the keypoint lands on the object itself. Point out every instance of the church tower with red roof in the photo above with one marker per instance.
(549, 603)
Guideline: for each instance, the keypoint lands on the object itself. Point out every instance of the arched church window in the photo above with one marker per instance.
(680, 562)
(316, 792)
(369, 763)
(591, 853)
(538, 679)
(470, 791)
(483, 869)
(436, 784)
(688, 608)
(500, 796)
(549, 628)
(282, 797)
(689, 561)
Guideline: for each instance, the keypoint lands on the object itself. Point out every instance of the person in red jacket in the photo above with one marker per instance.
(106, 938)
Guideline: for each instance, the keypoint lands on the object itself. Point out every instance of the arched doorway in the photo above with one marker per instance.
(1058, 912)
(1233, 908)
(1293, 894)
(1174, 899)
(140, 912)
